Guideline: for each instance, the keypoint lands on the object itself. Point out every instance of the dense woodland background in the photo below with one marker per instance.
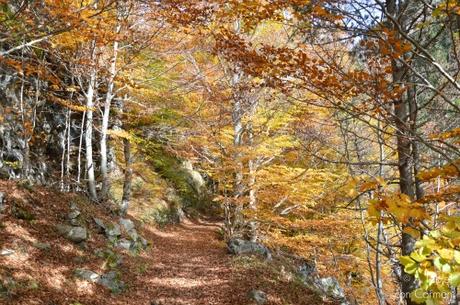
(324, 130)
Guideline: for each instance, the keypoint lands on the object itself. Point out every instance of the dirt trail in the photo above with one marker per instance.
(190, 266)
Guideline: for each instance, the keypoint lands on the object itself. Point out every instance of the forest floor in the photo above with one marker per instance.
(185, 264)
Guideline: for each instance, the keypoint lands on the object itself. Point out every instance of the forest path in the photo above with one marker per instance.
(190, 266)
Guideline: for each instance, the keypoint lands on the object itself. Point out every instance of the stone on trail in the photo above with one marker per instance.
(87, 275)
(325, 287)
(2, 203)
(109, 280)
(143, 242)
(240, 246)
(258, 296)
(73, 214)
(113, 231)
(99, 224)
(75, 234)
(124, 244)
(7, 252)
(127, 224)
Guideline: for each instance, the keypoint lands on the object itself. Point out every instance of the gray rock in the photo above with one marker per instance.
(240, 246)
(2, 201)
(42, 246)
(75, 222)
(332, 288)
(75, 234)
(133, 234)
(125, 244)
(111, 281)
(127, 224)
(112, 230)
(258, 296)
(99, 224)
(74, 206)
(194, 178)
(7, 252)
(143, 242)
(73, 214)
(87, 275)
(327, 287)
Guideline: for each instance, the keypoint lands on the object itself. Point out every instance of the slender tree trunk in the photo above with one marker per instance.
(80, 145)
(69, 144)
(252, 199)
(252, 166)
(380, 227)
(238, 186)
(405, 157)
(413, 109)
(406, 181)
(89, 127)
(106, 116)
(455, 298)
(128, 177)
(25, 166)
(64, 150)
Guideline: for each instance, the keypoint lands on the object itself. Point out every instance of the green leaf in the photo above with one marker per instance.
(418, 257)
(446, 268)
(411, 268)
(435, 234)
(454, 279)
(457, 256)
(405, 260)
(447, 254)
(438, 262)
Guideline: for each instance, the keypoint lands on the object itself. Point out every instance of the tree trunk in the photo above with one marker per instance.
(238, 186)
(89, 128)
(128, 177)
(252, 165)
(405, 160)
(406, 181)
(380, 228)
(80, 145)
(106, 116)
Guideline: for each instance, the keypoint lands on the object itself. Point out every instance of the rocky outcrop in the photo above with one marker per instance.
(72, 233)
(258, 296)
(19, 156)
(109, 280)
(122, 234)
(238, 246)
(2, 202)
(194, 177)
(327, 287)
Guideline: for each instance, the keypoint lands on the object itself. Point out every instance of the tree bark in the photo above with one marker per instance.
(80, 145)
(404, 145)
(106, 116)
(126, 198)
(89, 126)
